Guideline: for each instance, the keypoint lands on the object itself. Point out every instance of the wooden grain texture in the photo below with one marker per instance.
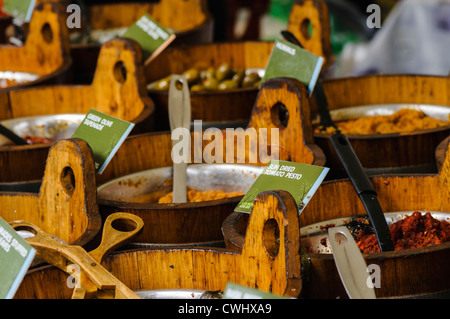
(46, 50)
(179, 15)
(172, 223)
(123, 99)
(210, 106)
(269, 261)
(190, 19)
(309, 23)
(408, 272)
(410, 152)
(110, 92)
(66, 205)
(94, 280)
(218, 106)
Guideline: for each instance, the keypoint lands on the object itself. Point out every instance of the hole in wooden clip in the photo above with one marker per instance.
(306, 29)
(280, 115)
(47, 33)
(120, 72)
(271, 237)
(68, 180)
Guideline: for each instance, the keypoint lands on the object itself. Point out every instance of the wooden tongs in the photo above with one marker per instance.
(94, 281)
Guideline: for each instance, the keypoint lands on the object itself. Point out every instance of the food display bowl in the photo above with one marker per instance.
(169, 223)
(406, 152)
(53, 127)
(230, 106)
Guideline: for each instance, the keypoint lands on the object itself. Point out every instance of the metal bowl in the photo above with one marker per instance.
(178, 223)
(351, 113)
(17, 77)
(391, 153)
(315, 237)
(55, 127)
(178, 294)
(202, 177)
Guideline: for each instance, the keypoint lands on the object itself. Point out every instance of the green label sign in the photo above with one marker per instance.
(152, 37)
(19, 9)
(300, 180)
(289, 60)
(104, 134)
(16, 256)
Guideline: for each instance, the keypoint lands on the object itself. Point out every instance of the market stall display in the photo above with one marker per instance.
(226, 58)
(336, 203)
(275, 217)
(117, 90)
(114, 226)
(190, 21)
(277, 107)
(67, 197)
(45, 56)
(407, 152)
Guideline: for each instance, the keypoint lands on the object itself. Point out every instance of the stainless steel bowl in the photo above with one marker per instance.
(17, 77)
(315, 237)
(56, 126)
(178, 294)
(202, 177)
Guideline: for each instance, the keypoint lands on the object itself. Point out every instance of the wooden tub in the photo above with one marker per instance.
(270, 260)
(234, 106)
(191, 21)
(66, 204)
(405, 273)
(277, 107)
(118, 89)
(45, 56)
(409, 152)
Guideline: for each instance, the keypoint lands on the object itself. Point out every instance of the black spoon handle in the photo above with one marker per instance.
(12, 136)
(364, 188)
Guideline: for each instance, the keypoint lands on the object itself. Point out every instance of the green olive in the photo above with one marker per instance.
(223, 72)
(197, 87)
(162, 84)
(228, 84)
(257, 83)
(238, 75)
(208, 73)
(210, 84)
(250, 79)
(192, 75)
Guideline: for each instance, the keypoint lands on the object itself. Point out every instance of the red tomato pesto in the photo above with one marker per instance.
(414, 231)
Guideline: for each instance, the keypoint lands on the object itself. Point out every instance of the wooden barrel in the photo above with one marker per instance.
(277, 97)
(118, 89)
(404, 273)
(45, 56)
(270, 260)
(191, 21)
(66, 204)
(233, 107)
(408, 152)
